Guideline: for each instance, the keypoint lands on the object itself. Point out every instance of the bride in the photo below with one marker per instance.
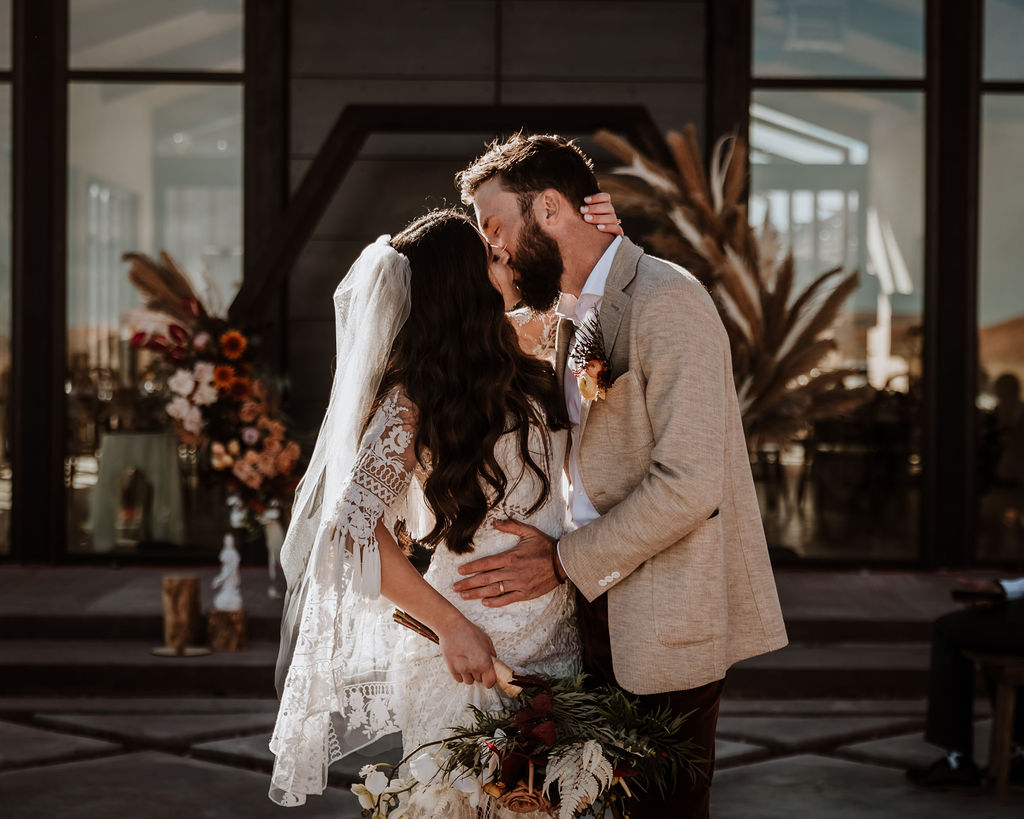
(440, 423)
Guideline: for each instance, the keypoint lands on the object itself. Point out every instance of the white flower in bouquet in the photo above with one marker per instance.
(424, 767)
(375, 784)
(181, 382)
(202, 372)
(378, 793)
(470, 785)
(193, 419)
(178, 407)
(205, 395)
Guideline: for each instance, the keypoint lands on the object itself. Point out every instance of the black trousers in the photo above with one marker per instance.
(997, 630)
(688, 801)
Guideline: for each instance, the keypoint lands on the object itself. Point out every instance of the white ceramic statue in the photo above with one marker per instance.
(229, 580)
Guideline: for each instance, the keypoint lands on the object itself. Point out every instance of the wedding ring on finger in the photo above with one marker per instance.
(501, 586)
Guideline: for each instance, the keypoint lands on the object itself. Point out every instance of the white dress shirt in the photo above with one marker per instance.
(581, 509)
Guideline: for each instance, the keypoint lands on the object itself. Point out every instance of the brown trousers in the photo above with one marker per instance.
(688, 801)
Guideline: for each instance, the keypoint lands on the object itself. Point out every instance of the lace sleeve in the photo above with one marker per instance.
(376, 490)
(536, 332)
(338, 694)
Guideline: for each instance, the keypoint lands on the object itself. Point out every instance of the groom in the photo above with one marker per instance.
(665, 547)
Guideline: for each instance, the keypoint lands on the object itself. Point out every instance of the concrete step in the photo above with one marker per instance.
(128, 668)
(105, 627)
(50, 668)
(266, 626)
(855, 670)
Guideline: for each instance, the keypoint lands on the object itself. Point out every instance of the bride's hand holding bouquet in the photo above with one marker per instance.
(468, 651)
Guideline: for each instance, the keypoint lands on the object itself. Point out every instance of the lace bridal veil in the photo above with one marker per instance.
(337, 637)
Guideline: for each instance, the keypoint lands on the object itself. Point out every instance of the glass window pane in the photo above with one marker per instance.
(5, 36)
(1004, 31)
(840, 176)
(156, 34)
(1001, 332)
(838, 38)
(150, 168)
(5, 318)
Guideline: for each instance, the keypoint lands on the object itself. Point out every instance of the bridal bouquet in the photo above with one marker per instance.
(560, 747)
(217, 403)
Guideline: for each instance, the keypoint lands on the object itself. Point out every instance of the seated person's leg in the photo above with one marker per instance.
(950, 725)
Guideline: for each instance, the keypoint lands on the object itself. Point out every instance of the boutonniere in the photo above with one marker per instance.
(589, 361)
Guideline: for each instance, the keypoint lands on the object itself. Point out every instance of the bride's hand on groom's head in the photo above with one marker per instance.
(599, 211)
(524, 572)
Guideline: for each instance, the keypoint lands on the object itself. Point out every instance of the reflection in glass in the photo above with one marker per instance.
(1004, 31)
(838, 38)
(5, 317)
(150, 168)
(839, 174)
(1001, 332)
(156, 34)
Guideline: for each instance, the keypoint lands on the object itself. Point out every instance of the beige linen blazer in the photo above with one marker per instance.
(679, 548)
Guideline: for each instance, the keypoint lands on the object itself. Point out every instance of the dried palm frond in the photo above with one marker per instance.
(778, 341)
(165, 287)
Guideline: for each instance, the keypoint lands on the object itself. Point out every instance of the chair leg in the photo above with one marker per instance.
(1002, 732)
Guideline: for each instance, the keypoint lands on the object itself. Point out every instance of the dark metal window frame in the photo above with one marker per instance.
(40, 76)
(952, 86)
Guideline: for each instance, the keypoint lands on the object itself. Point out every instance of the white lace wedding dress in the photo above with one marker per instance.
(357, 699)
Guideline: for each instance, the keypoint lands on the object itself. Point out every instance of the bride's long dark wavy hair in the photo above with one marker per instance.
(458, 360)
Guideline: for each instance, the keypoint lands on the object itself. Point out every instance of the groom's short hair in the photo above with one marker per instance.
(528, 164)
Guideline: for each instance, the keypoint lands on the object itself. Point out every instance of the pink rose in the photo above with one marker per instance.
(267, 464)
(193, 420)
(178, 408)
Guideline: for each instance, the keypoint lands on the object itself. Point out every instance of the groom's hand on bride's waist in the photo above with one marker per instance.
(524, 572)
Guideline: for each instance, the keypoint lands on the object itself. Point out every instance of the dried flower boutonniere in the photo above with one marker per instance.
(589, 361)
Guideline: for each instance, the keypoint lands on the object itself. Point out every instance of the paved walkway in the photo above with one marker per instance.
(92, 726)
(174, 758)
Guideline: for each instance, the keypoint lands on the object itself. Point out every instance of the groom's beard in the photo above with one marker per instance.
(537, 263)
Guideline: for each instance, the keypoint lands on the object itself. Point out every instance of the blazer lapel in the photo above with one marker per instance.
(613, 304)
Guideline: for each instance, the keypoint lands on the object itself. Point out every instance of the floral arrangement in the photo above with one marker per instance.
(560, 747)
(589, 361)
(218, 403)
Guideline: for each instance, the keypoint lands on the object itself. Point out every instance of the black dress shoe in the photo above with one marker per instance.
(940, 774)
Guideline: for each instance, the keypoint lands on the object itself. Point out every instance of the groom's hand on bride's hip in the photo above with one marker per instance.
(523, 572)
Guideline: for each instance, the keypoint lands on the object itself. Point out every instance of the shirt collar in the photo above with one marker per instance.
(593, 289)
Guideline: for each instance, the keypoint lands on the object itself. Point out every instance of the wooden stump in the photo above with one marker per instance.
(183, 621)
(226, 630)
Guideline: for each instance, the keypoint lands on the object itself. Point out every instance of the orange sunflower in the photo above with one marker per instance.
(223, 375)
(233, 344)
